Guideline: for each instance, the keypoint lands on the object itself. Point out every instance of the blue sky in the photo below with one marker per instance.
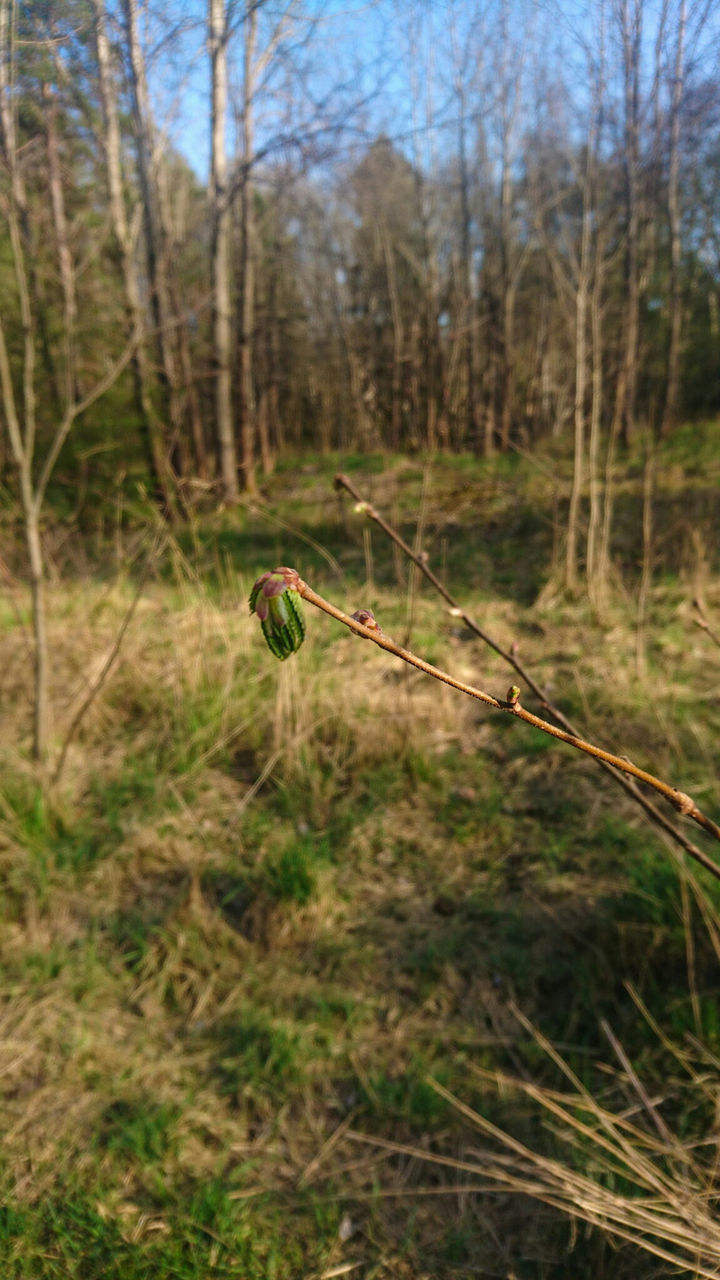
(397, 59)
(349, 38)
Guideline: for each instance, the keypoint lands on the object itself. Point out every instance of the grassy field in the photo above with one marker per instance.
(269, 903)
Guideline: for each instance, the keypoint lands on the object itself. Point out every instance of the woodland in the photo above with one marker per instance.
(321, 967)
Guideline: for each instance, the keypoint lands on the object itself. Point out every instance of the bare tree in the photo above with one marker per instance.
(629, 20)
(428, 366)
(220, 250)
(62, 244)
(559, 181)
(148, 145)
(247, 264)
(18, 387)
(125, 232)
(463, 71)
(674, 219)
(582, 282)
(512, 256)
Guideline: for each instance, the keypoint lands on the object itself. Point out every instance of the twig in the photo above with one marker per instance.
(646, 574)
(703, 623)
(255, 507)
(8, 580)
(421, 560)
(683, 803)
(108, 664)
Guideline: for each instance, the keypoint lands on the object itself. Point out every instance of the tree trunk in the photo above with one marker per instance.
(595, 588)
(467, 309)
(41, 709)
(151, 427)
(70, 391)
(509, 277)
(581, 307)
(220, 253)
(631, 34)
(19, 221)
(21, 424)
(398, 341)
(22, 436)
(247, 263)
(508, 380)
(673, 200)
(155, 239)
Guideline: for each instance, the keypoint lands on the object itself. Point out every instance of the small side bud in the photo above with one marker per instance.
(513, 695)
(682, 802)
(455, 612)
(361, 508)
(366, 618)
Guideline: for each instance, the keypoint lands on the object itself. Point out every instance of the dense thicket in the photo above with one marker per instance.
(508, 226)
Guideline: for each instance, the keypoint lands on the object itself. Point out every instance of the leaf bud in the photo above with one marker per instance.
(278, 605)
(366, 618)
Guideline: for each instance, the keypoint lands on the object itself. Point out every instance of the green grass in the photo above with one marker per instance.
(210, 1234)
(137, 1129)
(205, 987)
(252, 1056)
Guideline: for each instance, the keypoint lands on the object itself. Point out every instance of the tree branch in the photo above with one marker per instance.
(80, 406)
(97, 684)
(631, 789)
(284, 631)
(703, 623)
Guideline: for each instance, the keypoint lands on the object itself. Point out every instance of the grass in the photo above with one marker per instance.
(268, 901)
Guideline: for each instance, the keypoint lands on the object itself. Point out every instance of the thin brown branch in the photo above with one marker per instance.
(702, 622)
(10, 404)
(79, 407)
(107, 665)
(511, 706)
(421, 560)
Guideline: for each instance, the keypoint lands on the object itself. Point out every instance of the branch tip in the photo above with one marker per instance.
(618, 767)
(277, 596)
(275, 599)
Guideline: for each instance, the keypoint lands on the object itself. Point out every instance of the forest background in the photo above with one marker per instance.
(470, 255)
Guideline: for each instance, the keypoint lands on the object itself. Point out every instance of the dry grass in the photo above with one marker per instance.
(625, 1171)
(267, 902)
